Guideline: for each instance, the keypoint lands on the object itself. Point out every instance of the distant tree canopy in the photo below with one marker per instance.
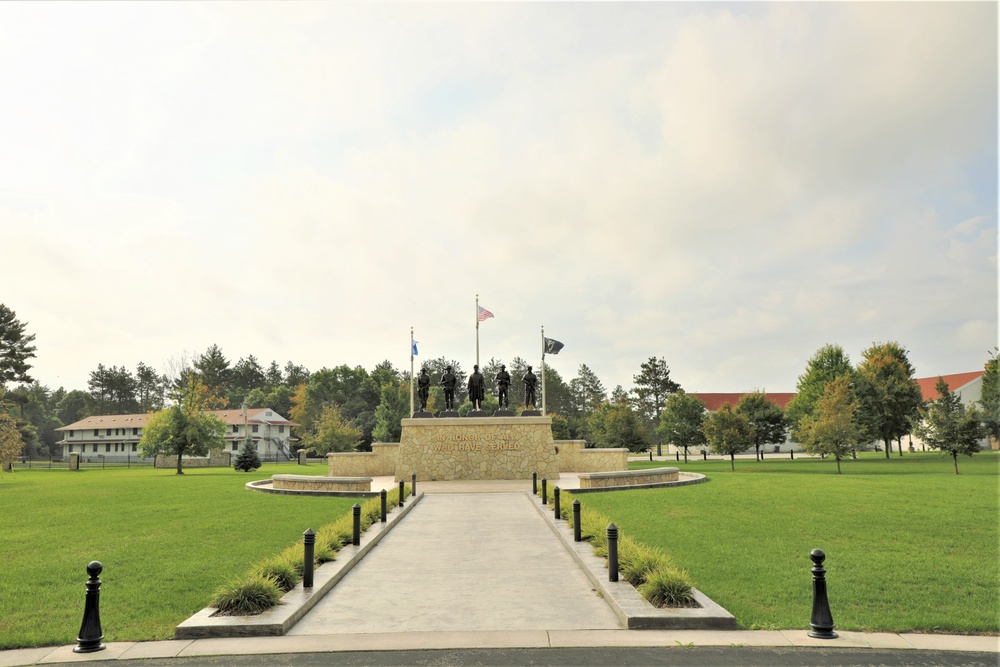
(186, 428)
(888, 396)
(829, 363)
(766, 418)
(15, 348)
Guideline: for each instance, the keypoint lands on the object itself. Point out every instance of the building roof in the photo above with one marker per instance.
(231, 417)
(955, 381)
(714, 401)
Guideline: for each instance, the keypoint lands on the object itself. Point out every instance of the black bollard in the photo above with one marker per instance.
(91, 635)
(577, 536)
(704, 455)
(534, 483)
(792, 454)
(555, 503)
(822, 620)
(545, 491)
(651, 455)
(762, 455)
(402, 490)
(677, 455)
(413, 484)
(612, 552)
(356, 540)
(308, 556)
(383, 494)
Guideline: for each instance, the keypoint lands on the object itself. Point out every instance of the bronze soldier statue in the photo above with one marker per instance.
(448, 381)
(477, 388)
(423, 388)
(530, 381)
(503, 381)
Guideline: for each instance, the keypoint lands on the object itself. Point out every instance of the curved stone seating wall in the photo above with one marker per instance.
(575, 457)
(590, 480)
(312, 483)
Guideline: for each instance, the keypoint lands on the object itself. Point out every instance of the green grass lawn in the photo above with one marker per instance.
(166, 542)
(910, 546)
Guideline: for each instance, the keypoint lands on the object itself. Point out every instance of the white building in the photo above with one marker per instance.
(116, 437)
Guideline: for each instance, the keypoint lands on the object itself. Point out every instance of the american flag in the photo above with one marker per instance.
(484, 314)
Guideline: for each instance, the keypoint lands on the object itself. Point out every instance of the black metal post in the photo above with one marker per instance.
(677, 455)
(383, 495)
(545, 491)
(822, 620)
(413, 484)
(612, 552)
(308, 556)
(577, 536)
(792, 454)
(91, 636)
(762, 455)
(651, 455)
(534, 483)
(555, 503)
(356, 541)
(402, 490)
(704, 455)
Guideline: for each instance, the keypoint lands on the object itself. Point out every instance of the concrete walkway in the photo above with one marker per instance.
(463, 562)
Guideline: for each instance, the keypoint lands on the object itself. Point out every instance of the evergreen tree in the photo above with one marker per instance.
(249, 459)
(15, 348)
(652, 387)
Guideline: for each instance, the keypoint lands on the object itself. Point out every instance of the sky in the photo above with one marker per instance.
(726, 186)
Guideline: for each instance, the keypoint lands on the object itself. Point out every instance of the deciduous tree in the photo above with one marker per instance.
(766, 418)
(186, 428)
(829, 363)
(991, 396)
(10, 442)
(832, 430)
(682, 420)
(333, 433)
(947, 426)
(728, 432)
(618, 425)
(887, 393)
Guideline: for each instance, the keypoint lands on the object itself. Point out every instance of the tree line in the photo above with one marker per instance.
(349, 407)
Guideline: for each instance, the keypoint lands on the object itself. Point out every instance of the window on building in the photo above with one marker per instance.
(71, 449)
(97, 432)
(135, 431)
(236, 447)
(255, 427)
(71, 434)
(236, 428)
(108, 431)
(281, 429)
(107, 447)
(133, 446)
(95, 448)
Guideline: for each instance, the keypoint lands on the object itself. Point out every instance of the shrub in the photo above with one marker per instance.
(247, 596)
(667, 586)
(248, 460)
(636, 561)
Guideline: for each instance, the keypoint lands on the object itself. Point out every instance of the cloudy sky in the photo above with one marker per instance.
(726, 186)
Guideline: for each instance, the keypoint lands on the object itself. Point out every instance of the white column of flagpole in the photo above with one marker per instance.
(411, 371)
(477, 329)
(543, 371)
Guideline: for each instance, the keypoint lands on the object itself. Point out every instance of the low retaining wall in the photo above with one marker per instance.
(315, 483)
(589, 480)
(379, 462)
(575, 457)
(215, 459)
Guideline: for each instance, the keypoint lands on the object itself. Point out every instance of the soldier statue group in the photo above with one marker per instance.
(477, 388)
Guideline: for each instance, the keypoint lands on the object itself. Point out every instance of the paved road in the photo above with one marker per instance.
(463, 562)
(597, 657)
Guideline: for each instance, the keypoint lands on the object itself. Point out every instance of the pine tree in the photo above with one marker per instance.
(248, 460)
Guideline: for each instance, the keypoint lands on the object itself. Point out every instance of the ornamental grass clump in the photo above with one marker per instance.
(636, 561)
(285, 571)
(247, 596)
(667, 587)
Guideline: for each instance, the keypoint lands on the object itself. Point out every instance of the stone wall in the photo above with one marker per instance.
(575, 457)
(314, 483)
(216, 458)
(380, 461)
(477, 448)
(629, 477)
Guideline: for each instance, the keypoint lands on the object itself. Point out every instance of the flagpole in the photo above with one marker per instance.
(411, 371)
(543, 370)
(477, 329)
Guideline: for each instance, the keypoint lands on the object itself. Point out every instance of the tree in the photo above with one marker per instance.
(948, 427)
(888, 395)
(991, 396)
(333, 433)
(829, 363)
(245, 376)
(587, 391)
(249, 459)
(113, 390)
(150, 388)
(831, 429)
(682, 420)
(186, 428)
(560, 427)
(766, 418)
(15, 348)
(728, 432)
(617, 425)
(74, 406)
(10, 442)
(652, 386)
(393, 407)
(213, 371)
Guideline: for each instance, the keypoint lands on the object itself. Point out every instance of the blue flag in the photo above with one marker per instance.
(414, 348)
